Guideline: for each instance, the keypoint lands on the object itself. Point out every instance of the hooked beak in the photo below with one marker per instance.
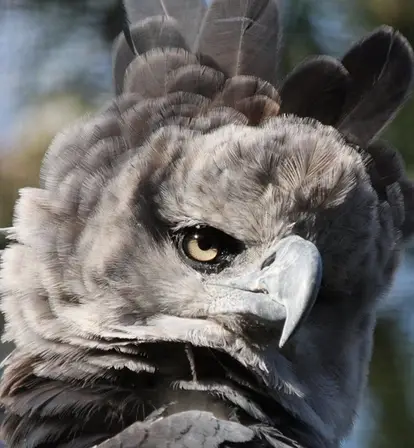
(283, 292)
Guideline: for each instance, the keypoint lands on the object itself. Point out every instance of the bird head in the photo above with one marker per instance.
(209, 207)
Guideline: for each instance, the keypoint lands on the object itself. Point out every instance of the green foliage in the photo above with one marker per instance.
(20, 167)
(390, 381)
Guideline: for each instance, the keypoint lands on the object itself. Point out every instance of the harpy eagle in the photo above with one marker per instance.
(201, 264)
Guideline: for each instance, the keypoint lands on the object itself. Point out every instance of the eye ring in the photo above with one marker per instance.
(207, 249)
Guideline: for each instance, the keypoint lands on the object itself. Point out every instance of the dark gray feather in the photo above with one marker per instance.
(197, 79)
(316, 88)
(188, 13)
(155, 32)
(240, 87)
(242, 37)
(381, 68)
(407, 190)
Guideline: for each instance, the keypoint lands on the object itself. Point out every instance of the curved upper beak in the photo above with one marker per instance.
(283, 291)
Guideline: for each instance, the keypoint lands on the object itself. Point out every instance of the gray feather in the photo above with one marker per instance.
(316, 88)
(186, 429)
(120, 330)
(242, 37)
(188, 13)
(155, 32)
(6, 230)
(381, 67)
(148, 74)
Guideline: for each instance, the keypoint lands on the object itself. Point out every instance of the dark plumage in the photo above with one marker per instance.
(202, 262)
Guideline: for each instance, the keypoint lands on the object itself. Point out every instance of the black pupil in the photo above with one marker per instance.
(205, 242)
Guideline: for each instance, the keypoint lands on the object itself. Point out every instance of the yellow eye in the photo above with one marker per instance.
(201, 248)
(207, 249)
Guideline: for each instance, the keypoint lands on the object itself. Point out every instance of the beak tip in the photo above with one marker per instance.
(287, 333)
(300, 295)
(282, 342)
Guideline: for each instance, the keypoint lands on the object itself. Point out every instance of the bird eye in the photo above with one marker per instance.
(207, 249)
(201, 247)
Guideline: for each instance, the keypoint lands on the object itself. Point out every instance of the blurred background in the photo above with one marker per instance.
(55, 65)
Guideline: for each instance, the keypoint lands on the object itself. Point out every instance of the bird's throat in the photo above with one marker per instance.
(212, 382)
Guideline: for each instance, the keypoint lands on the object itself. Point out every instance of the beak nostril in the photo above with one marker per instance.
(269, 260)
(261, 290)
(261, 287)
(283, 292)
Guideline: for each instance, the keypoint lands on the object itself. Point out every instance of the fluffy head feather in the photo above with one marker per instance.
(107, 313)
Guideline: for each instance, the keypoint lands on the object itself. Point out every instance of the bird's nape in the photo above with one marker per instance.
(206, 252)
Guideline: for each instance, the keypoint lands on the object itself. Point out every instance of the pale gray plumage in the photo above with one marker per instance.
(269, 343)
